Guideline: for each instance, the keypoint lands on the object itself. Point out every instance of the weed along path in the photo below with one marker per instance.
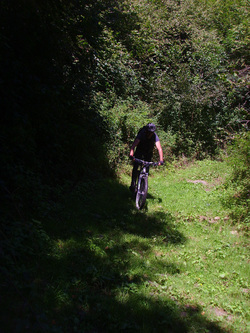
(177, 266)
(198, 259)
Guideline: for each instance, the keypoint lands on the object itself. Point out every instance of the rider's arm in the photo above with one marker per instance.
(158, 146)
(135, 143)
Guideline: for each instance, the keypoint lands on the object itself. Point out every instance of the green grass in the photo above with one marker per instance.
(180, 265)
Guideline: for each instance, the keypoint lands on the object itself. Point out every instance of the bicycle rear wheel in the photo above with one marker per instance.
(142, 191)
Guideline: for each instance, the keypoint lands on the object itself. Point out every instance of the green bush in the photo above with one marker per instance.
(122, 119)
(239, 182)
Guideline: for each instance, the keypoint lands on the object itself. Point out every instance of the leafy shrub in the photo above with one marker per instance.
(239, 182)
(122, 119)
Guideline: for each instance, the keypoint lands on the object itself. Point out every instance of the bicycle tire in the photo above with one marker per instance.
(142, 191)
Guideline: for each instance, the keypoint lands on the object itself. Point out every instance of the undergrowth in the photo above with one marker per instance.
(180, 265)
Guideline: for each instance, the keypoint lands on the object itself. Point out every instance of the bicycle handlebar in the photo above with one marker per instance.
(145, 163)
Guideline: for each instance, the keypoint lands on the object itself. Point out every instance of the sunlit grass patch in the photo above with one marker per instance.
(191, 191)
(211, 267)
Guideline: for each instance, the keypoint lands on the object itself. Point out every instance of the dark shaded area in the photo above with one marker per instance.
(52, 137)
(48, 129)
(74, 288)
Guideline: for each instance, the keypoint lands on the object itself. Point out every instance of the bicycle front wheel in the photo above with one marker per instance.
(142, 191)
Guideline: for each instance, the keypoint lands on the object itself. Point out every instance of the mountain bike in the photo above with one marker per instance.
(142, 182)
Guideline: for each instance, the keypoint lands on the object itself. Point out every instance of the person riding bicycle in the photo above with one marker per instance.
(144, 143)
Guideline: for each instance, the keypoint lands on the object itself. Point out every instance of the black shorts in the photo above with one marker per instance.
(143, 156)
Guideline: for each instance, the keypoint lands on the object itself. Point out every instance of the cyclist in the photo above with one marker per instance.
(144, 143)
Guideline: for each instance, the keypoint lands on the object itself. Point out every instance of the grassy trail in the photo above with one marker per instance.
(209, 255)
(177, 266)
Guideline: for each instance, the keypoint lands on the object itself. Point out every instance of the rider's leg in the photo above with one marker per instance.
(134, 176)
(135, 172)
(148, 158)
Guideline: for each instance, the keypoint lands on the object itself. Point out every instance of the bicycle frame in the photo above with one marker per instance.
(142, 183)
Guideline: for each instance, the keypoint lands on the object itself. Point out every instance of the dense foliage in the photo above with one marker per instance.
(238, 183)
(183, 63)
(79, 78)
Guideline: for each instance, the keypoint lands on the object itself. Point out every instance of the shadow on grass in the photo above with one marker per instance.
(97, 276)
